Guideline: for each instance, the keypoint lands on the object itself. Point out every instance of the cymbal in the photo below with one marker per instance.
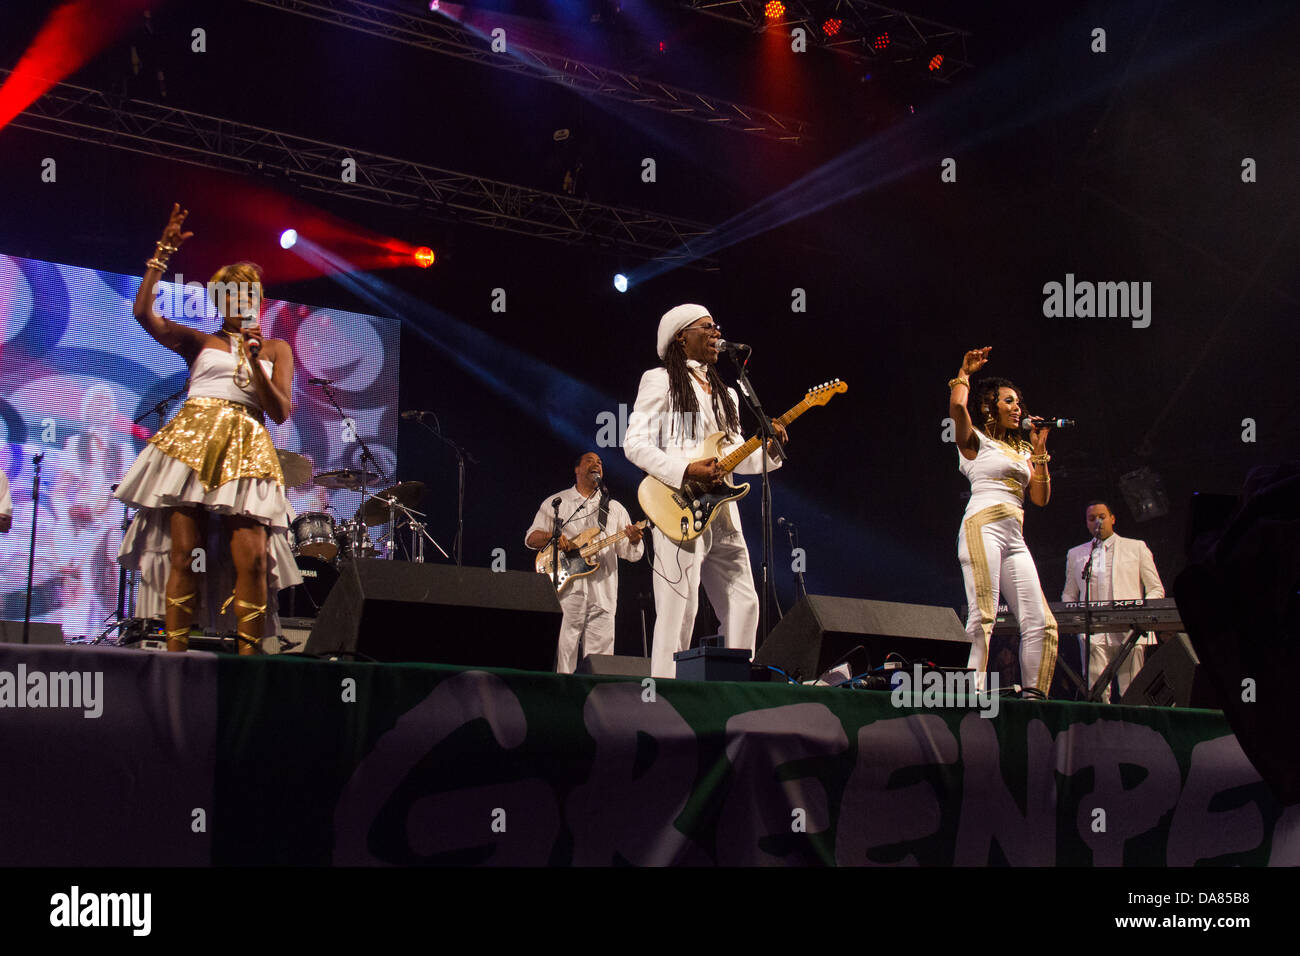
(375, 510)
(348, 479)
(296, 468)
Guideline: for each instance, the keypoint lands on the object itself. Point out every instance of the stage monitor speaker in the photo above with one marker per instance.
(819, 630)
(439, 614)
(614, 665)
(1173, 676)
(11, 632)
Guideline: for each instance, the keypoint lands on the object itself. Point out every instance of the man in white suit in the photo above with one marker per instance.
(678, 405)
(1122, 569)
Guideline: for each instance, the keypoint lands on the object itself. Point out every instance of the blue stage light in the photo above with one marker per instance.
(620, 282)
(288, 238)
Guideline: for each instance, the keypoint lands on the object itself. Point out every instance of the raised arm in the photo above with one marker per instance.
(179, 338)
(958, 394)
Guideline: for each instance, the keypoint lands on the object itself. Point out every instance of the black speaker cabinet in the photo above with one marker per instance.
(439, 614)
(819, 630)
(1172, 676)
(11, 632)
(614, 665)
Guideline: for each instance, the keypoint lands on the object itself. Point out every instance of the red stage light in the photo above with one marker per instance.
(424, 257)
(832, 26)
(775, 10)
(881, 41)
(936, 61)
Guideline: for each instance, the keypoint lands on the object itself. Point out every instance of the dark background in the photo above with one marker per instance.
(1122, 166)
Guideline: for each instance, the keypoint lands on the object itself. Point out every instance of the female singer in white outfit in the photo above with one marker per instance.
(991, 545)
(214, 458)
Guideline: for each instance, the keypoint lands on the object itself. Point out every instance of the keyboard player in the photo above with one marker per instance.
(1122, 569)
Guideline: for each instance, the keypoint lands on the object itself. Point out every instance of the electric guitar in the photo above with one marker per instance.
(683, 513)
(579, 561)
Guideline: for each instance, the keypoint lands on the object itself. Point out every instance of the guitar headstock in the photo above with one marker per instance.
(824, 392)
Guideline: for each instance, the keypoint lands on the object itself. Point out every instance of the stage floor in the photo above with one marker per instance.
(205, 759)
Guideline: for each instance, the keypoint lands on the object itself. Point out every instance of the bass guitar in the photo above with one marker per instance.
(579, 561)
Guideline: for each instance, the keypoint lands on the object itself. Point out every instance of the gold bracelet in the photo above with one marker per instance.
(954, 382)
(156, 263)
(163, 247)
(1045, 479)
(1040, 459)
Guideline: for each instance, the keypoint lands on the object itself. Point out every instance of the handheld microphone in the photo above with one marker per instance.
(320, 381)
(1027, 424)
(411, 415)
(732, 347)
(246, 321)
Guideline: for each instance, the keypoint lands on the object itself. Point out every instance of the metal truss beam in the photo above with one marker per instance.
(440, 35)
(910, 37)
(91, 116)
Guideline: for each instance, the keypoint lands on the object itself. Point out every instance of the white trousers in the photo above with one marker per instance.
(1102, 652)
(995, 563)
(719, 560)
(585, 622)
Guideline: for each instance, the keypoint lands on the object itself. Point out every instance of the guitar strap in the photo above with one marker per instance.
(604, 510)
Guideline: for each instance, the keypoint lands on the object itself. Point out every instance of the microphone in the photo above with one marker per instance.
(732, 347)
(782, 522)
(320, 381)
(411, 415)
(1027, 424)
(247, 320)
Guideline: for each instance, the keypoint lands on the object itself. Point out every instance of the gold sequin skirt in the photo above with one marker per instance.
(218, 456)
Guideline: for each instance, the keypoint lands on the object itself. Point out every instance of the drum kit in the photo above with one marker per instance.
(317, 535)
(323, 546)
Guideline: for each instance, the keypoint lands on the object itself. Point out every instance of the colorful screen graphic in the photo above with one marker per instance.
(81, 382)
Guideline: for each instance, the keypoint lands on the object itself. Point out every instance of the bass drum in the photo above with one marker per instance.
(305, 600)
(313, 536)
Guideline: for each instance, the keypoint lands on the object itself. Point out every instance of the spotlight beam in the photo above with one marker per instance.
(1001, 101)
(86, 115)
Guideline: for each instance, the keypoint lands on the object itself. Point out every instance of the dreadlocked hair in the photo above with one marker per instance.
(681, 395)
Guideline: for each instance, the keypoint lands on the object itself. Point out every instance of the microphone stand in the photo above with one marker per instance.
(461, 455)
(767, 434)
(801, 587)
(555, 546)
(1087, 613)
(365, 456)
(31, 552)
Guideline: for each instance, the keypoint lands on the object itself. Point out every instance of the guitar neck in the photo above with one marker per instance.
(606, 541)
(744, 451)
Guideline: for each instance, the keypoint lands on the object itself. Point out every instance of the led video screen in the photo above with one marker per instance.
(81, 384)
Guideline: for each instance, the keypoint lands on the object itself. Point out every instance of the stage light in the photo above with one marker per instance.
(620, 282)
(288, 238)
(424, 257)
(775, 10)
(433, 5)
(936, 61)
(881, 41)
(832, 26)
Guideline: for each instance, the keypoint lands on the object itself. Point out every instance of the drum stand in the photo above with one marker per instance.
(419, 532)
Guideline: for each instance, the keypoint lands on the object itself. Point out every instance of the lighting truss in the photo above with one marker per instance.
(91, 116)
(440, 35)
(910, 37)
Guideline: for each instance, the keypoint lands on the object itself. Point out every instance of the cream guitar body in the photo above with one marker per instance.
(683, 513)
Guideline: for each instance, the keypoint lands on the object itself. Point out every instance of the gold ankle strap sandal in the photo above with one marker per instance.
(181, 635)
(255, 611)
